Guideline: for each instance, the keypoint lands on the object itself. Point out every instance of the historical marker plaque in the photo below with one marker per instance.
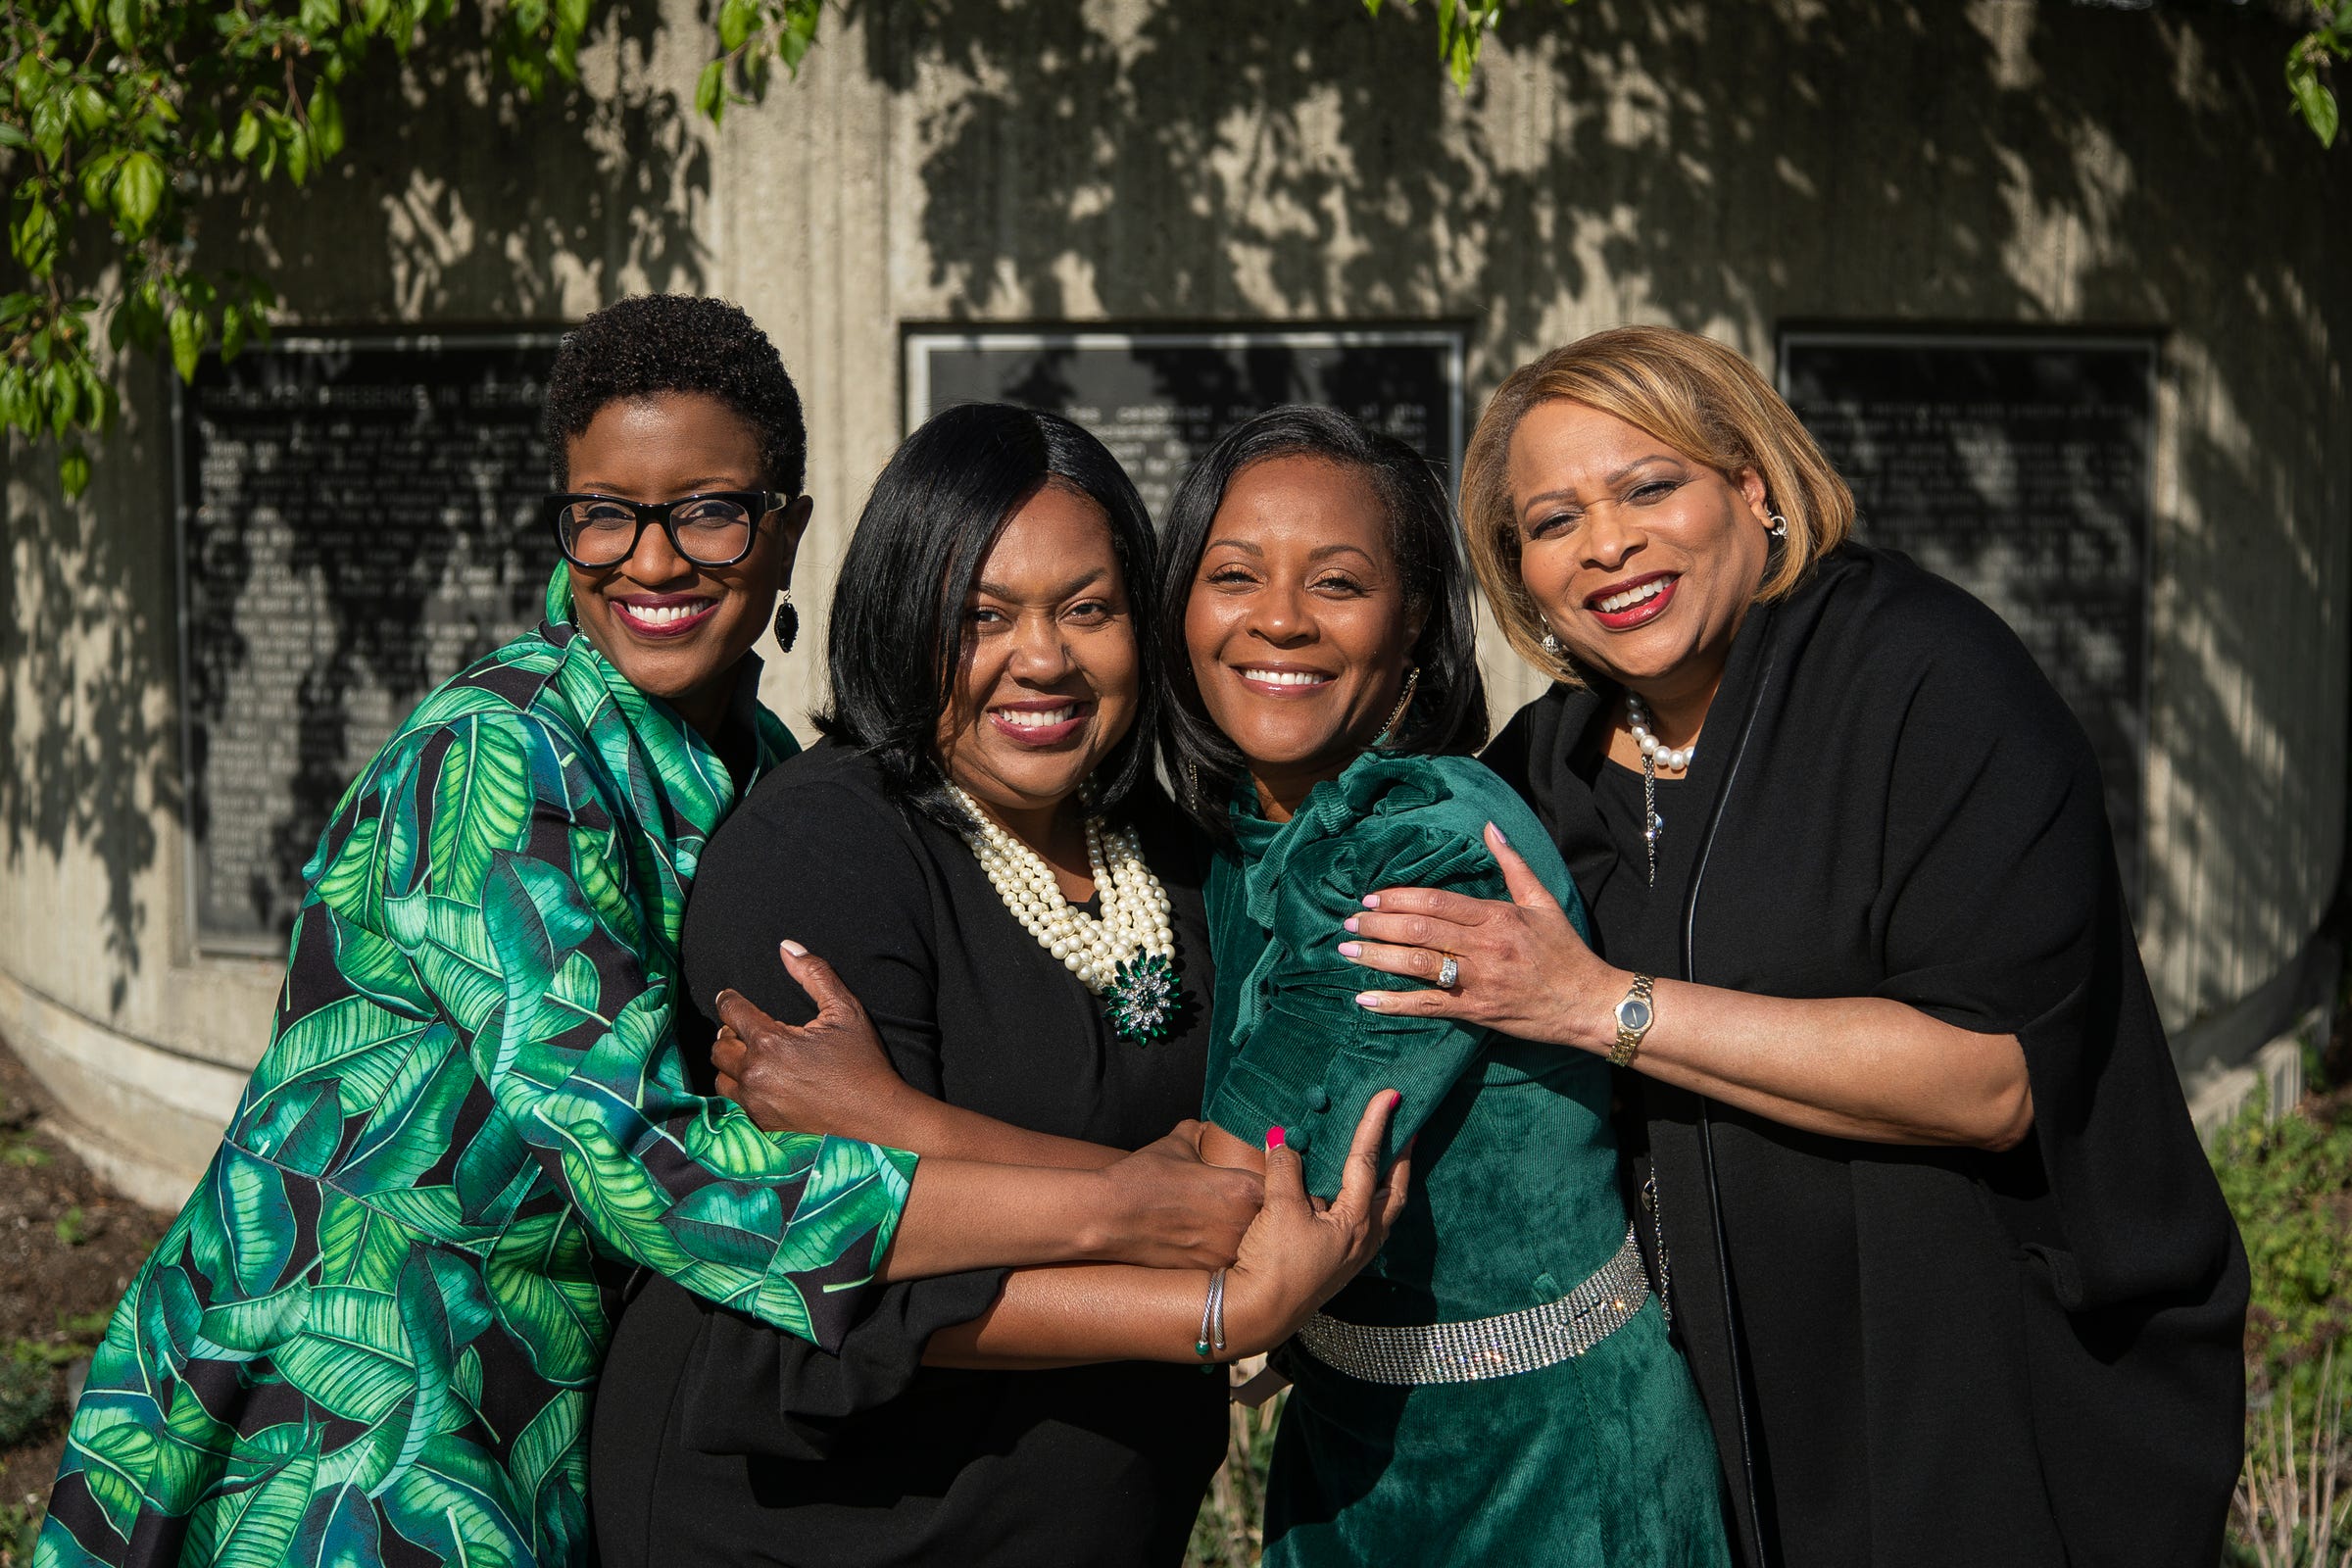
(2018, 467)
(357, 522)
(1158, 399)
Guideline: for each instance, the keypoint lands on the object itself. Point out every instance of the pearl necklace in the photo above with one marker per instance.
(1655, 753)
(1636, 720)
(1127, 955)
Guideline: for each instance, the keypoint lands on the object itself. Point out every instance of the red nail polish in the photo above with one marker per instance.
(1275, 1138)
(1396, 1099)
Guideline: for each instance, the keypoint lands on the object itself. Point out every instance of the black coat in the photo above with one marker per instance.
(1918, 1357)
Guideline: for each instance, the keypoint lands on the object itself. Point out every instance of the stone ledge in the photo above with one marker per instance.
(145, 1119)
(2217, 1096)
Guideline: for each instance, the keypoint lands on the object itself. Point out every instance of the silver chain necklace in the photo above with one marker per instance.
(1655, 753)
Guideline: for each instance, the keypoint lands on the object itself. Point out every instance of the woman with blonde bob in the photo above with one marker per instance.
(1952, 1274)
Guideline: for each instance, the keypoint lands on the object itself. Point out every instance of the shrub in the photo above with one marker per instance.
(2290, 1183)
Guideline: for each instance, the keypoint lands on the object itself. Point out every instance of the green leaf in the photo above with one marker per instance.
(736, 18)
(538, 1276)
(248, 137)
(326, 122)
(187, 340)
(74, 471)
(294, 145)
(138, 192)
(453, 1502)
(257, 1222)
(724, 1222)
(89, 109)
(34, 237)
(481, 806)
(253, 1326)
(351, 1355)
(249, 1519)
(545, 1444)
(2312, 99)
(710, 90)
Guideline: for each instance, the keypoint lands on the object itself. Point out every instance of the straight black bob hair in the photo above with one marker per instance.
(898, 638)
(1449, 705)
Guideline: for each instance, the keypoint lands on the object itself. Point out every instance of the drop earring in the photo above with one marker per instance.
(788, 623)
(1412, 684)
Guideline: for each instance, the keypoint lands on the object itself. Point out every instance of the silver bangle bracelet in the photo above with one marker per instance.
(1211, 1342)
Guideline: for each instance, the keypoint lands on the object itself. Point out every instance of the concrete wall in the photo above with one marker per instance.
(1717, 167)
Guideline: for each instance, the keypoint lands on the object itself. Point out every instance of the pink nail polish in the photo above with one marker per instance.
(1499, 838)
(1351, 950)
(1369, 999)
(1371, 900)
(1276, 1138)
(1350, 923)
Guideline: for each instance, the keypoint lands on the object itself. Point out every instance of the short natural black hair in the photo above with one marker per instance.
(1450, 705)
(648, 344)
(897, 637)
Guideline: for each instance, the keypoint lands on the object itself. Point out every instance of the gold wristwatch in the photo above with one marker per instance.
(1634, 1016)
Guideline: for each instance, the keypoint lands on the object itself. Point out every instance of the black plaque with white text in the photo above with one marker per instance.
(2019, 468)
(1160, 398)
(359, 521)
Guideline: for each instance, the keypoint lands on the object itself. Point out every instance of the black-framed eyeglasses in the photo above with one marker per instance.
(716, 528)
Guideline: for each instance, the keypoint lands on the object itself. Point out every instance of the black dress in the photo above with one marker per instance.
(1918, 1357)
(717, 1440)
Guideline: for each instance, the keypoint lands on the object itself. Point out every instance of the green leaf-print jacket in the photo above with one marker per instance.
(371, 1334)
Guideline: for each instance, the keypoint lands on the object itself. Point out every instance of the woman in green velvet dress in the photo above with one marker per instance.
(1496, 1386)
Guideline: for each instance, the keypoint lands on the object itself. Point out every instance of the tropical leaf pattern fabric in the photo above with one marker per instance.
(371, 1334)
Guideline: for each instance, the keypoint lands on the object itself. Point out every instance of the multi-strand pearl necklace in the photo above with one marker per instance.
(1656, 755)
(1128, 954)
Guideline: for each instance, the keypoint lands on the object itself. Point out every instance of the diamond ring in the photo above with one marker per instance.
(1449, 972)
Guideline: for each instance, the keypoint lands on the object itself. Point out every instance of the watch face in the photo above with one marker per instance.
(1632, 1013)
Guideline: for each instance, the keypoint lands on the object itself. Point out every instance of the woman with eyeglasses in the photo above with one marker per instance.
(371, 1335)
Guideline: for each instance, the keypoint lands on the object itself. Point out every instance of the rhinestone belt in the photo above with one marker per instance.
(1488, 1346)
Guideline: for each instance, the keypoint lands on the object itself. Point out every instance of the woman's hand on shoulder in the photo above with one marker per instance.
(1301, 1249)
(829, 1075)
(1520, 966)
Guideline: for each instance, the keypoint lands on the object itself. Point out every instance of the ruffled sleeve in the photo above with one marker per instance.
(1306, 1057)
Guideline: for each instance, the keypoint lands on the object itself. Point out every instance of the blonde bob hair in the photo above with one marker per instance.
(1698, 397)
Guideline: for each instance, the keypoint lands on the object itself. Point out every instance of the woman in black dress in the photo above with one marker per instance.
(1956, 1280)
(979, 850)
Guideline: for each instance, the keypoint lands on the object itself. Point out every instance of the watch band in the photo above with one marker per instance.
(1634, 1014)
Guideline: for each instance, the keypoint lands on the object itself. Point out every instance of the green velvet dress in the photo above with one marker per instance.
(1601, 1459)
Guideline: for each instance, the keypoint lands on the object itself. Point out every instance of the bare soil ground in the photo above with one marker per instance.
(68, 1250)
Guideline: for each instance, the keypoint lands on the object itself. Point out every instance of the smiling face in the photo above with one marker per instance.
(1048, 686)
(1297, 624)
(674, 630)
(1642, 561)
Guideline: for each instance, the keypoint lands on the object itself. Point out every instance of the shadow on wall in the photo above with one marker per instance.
(1723, 168)
(85, 696)
(460, 202)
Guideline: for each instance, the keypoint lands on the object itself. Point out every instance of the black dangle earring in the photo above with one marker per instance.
(788, 623)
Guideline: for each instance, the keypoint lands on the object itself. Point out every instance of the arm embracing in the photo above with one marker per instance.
(498, 871)
(1310, 1059)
